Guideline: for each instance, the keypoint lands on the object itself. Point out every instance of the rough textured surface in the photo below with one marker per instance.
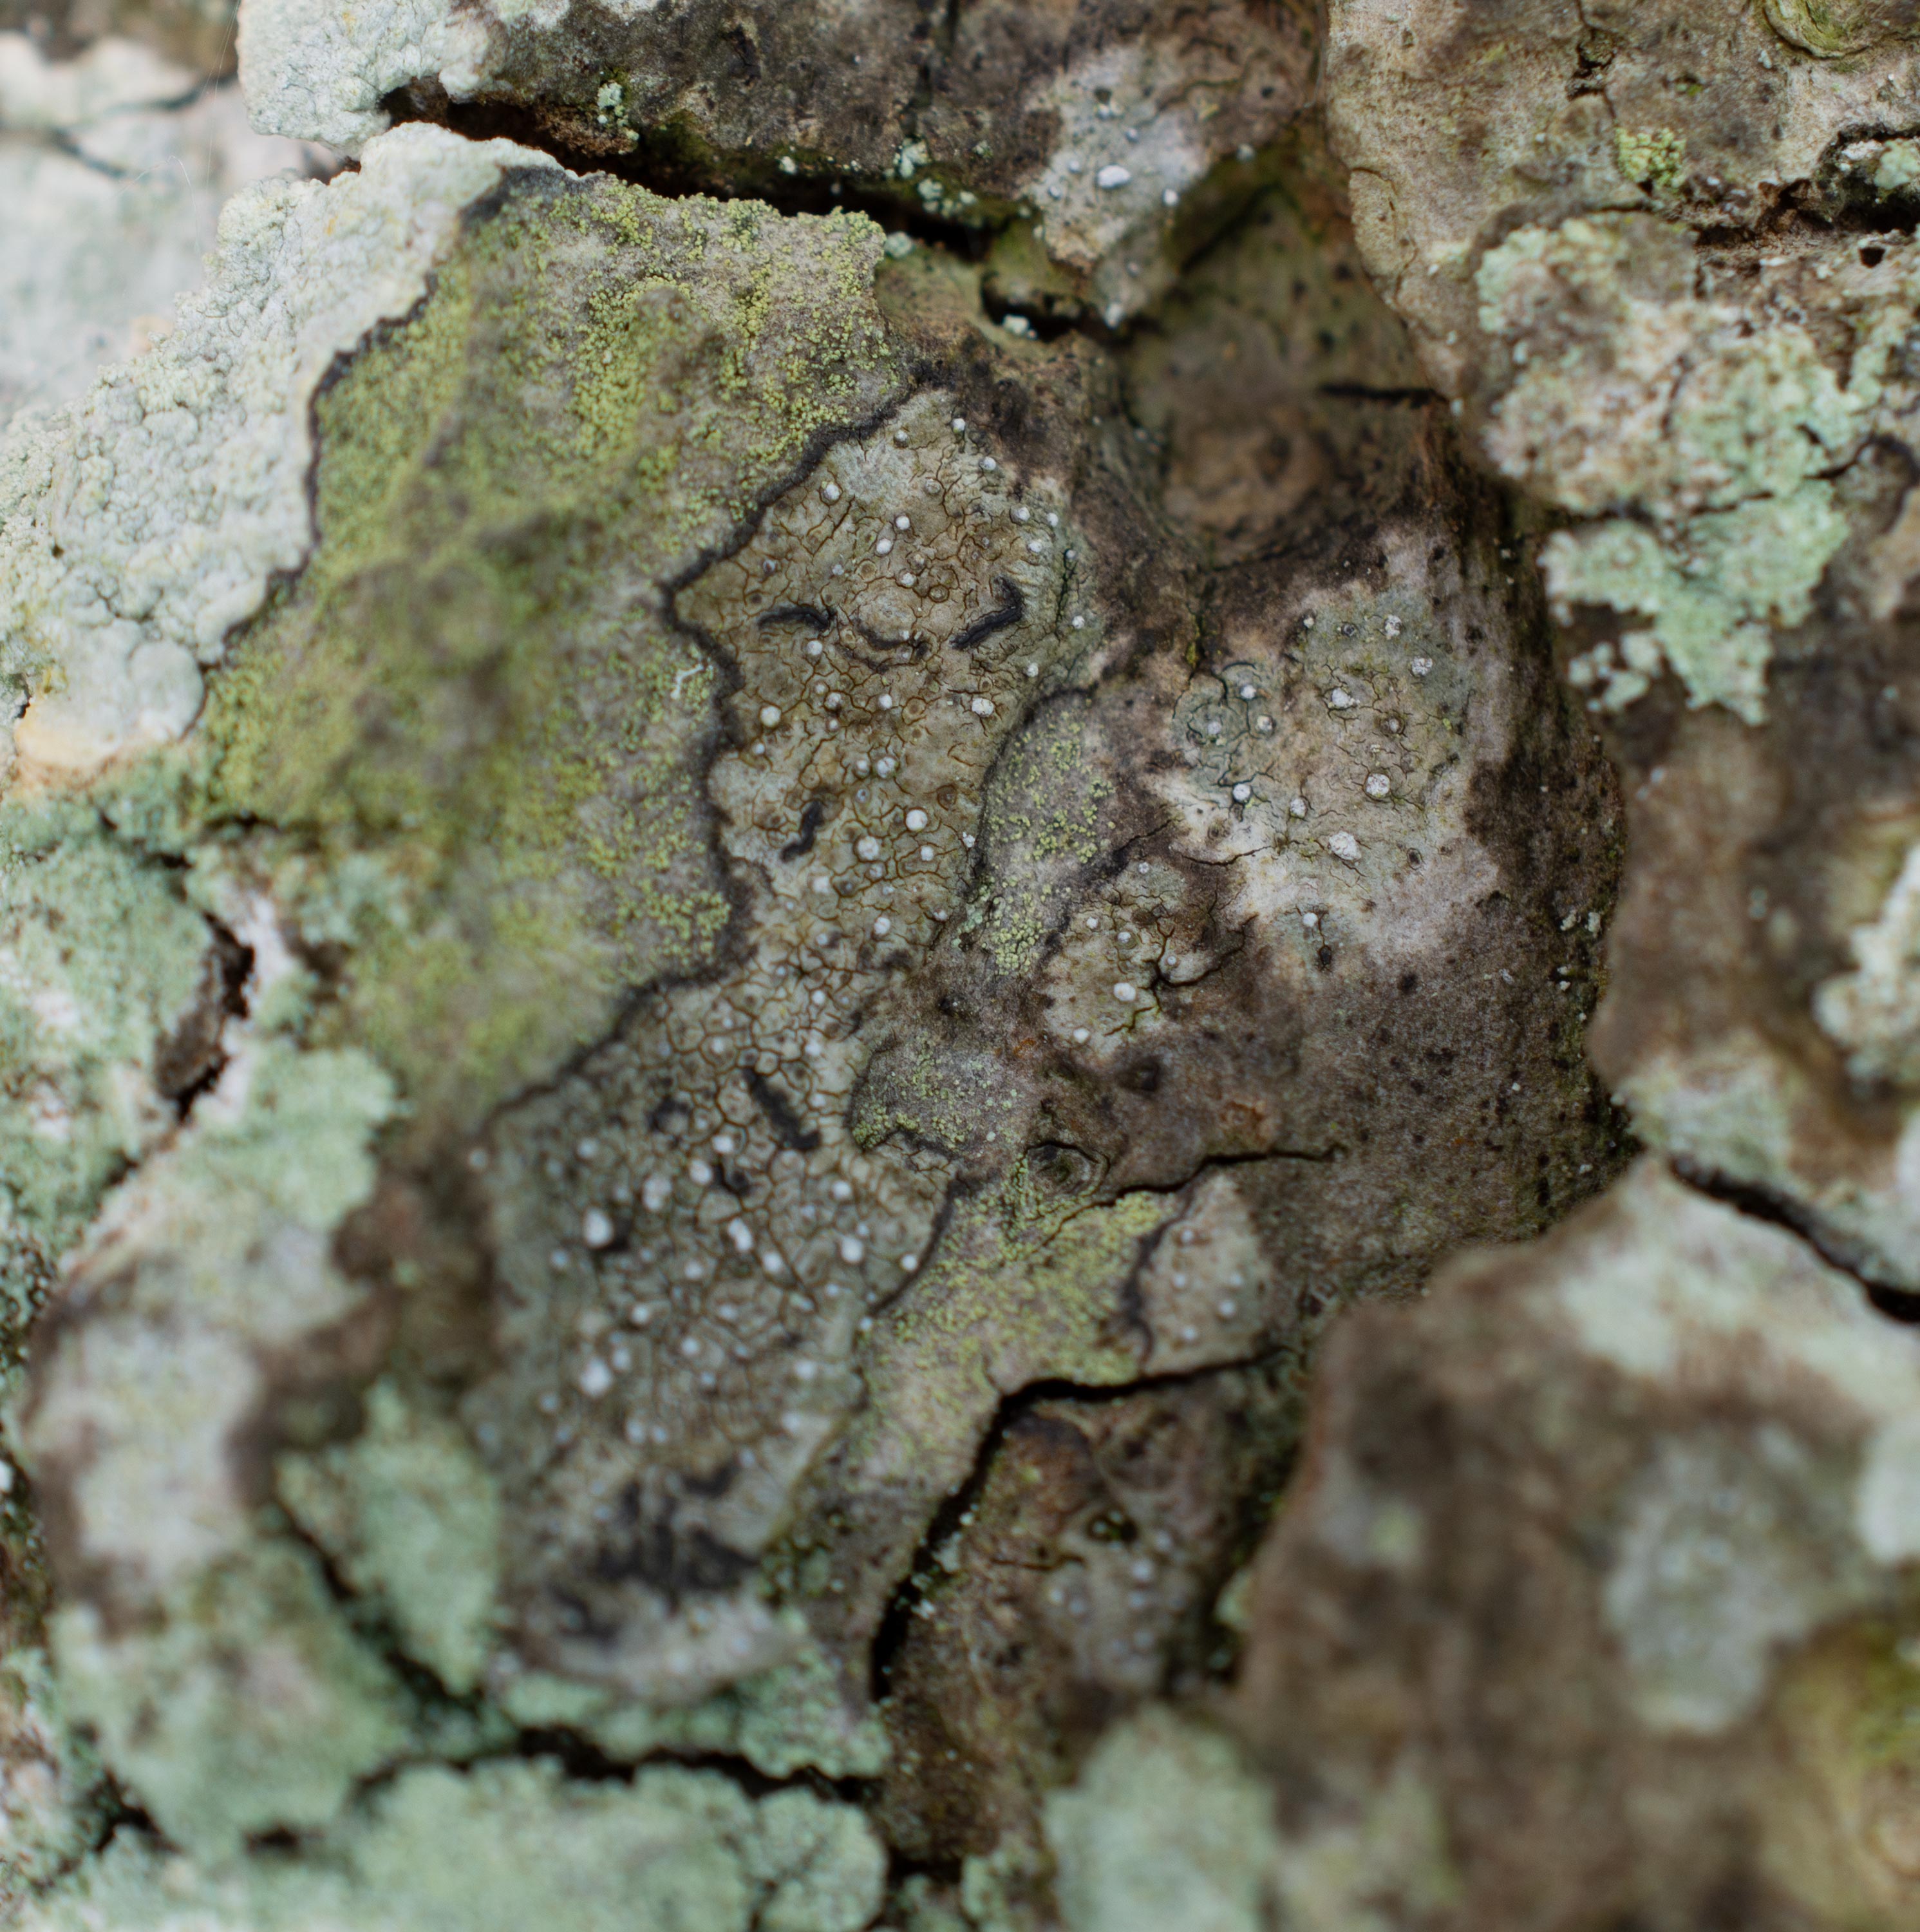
(1591, 1603)
(725, 933)
(113, 168)
(1093, 124)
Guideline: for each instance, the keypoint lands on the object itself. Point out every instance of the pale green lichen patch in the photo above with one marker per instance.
(85, 1020)
(1703, 432)
(506, 1846)
(1168, 1825)
(251, 1706)
(412, 1519)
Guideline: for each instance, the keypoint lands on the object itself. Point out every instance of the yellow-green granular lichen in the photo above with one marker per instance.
(1655, 158)
(476, 680)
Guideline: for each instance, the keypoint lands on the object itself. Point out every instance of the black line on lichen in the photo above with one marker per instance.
(1012, 609)
(780, 1111)
(1763, 1204)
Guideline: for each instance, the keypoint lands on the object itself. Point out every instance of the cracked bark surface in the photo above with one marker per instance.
(803, 867)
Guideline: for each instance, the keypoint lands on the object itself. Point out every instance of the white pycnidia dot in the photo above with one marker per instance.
(926, 852)
(886, 700)
(868, 847)
(690, 1348)
(1298, 807)
(916, 820)
(1344, 845)
(740, 1235)
(724, 1144)
(1263, 723)
(883, 926)
(655, 1191)
(1022, 514)
(852, 1249)
(902, 524)
(700, 1172)
(959, 425)
(1215, 727)
(1421, 667)
(1246, 694)
(830, 491)
(1125, 992)
(770, 715)
(596, 1378)
(988, 462)
(907, 1263)
(596, 1230)
(885, 768)
(1170, 196)
(842, 1190)
(907, 580)
(1053, 520)
(1081, 1035)
(1393, 627)
(1113, 176)
(1378, 784)
(1033, 670)
(884, 547)
(815, 648)
(1242, 793)
(640, 1314)
(1309, 920)
(1340, 700)
(1080, 623)
(981, 707)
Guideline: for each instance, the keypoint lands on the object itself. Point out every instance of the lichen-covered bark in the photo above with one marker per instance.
(726, 926)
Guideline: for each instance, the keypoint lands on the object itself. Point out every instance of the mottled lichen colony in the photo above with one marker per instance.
(741, 952)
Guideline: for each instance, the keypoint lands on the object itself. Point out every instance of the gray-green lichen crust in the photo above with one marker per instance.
(646, 888)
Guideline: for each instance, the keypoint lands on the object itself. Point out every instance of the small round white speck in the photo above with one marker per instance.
(842, 1190)
(655, 1191)
(981, 707)
(724, 1144)
(596, 1378)
(596, 1230)
(770, 715)
(1309, 920)
(916, 820)
(700, 1172)
(1421, 667)
(1263, 723)
(885, 546)
(1113, 176)
(886, 700)
(1033, 670)
(908, 1263)
(640, 1314)
(902, 524)
(830, 491)
(1080, 623)
(883, 926)
(1378, 784)
(1242, 793)
(1125, 992)
(868, 847)
(926, 852)
(1344, 845)
(988, 462)
(959, 425)
(1340, 700)
(852, 1249)
(907, 580)
(1170, 197)
(689, 1348)
(1246, 694)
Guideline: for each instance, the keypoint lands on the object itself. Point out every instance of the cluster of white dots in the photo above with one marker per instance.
(729, 1242)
